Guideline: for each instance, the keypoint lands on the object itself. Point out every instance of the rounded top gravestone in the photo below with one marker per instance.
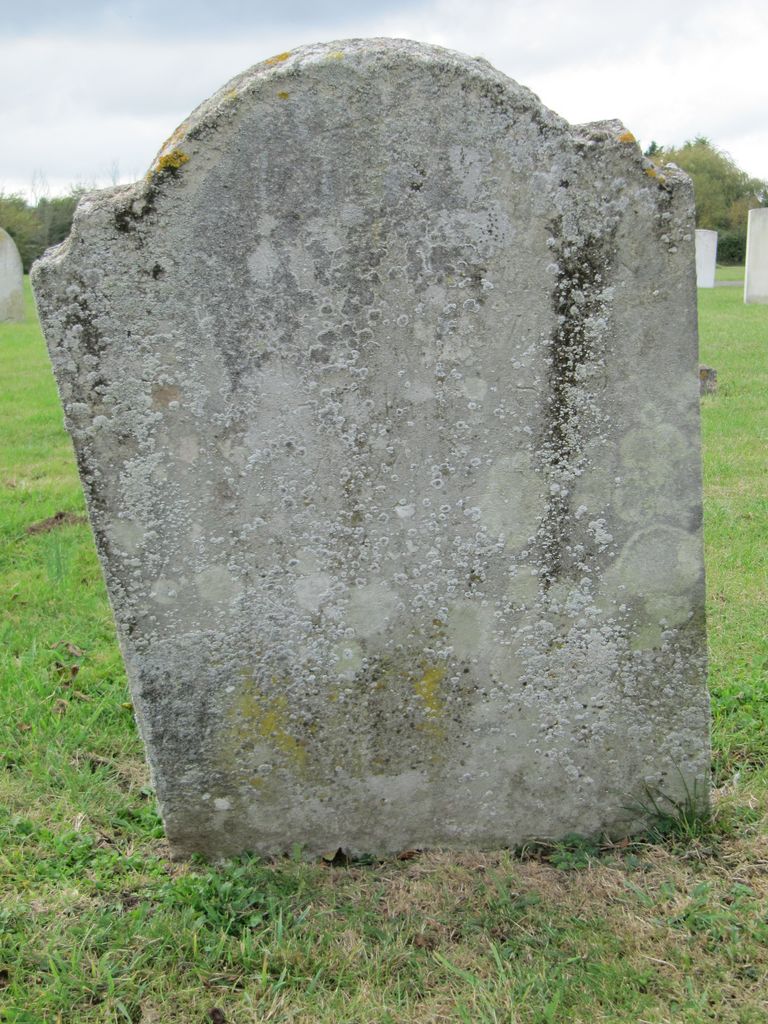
(383, 386)
(756, 269)
(706, 257)
(11, 281)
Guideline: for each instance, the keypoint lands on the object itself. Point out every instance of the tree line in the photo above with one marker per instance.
(36, 226)
(724, 196)
(724, 193)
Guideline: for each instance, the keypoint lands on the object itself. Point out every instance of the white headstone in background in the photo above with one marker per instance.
(386, 406)
(11, 281)
(706, 256)
(756, 271)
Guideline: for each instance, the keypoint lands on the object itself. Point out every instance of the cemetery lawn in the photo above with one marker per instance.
(729, 273)
(98, 925)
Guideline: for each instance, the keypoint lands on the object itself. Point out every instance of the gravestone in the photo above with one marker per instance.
(11, 281)
(383, 388)
(756, 269)
(706, 258)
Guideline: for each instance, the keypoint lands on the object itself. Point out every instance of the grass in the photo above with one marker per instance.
(98, 925)
(729, 273)
(734, 339)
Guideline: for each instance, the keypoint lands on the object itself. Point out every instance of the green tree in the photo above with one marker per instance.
(55, 216)
(36, 227)
(22, 224)
(724, 193)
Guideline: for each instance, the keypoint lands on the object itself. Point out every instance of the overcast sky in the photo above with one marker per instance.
(91, 89)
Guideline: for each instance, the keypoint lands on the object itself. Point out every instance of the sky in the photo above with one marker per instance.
(89, 90)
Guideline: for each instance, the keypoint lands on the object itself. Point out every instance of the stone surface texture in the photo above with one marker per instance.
(11, 281)
(706, 257)
(384, 390)
(756, 269)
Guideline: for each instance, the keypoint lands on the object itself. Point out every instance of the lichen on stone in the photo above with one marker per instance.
(279, 58)
(171, 162)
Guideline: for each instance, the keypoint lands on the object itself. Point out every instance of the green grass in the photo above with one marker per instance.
(98, 925)
(723, 273)
(734, 340)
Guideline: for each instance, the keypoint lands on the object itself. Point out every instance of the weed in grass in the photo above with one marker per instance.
(683, 819)
(571, 853)
(249, 897)
(574, 853)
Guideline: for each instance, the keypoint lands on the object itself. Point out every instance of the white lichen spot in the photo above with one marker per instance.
(347, 659)
(165, 591)
(523, 587)
(598, 529)
(469, 625)
(312, 591)
(216, 585)
(661, 567)
(263, 262)
(126, 535)
(188, 448)
(371, 609)
(475, 388)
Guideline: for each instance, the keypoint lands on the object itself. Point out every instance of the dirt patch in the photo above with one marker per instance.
(55, 521)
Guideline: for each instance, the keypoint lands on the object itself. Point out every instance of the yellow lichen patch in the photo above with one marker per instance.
(627, 137)
(428, 688)
(271, 726)
(335, 55)
(171, 161)
(264, 717)
(283, 95)
(278, 59)
(653, 172)
(231, 96)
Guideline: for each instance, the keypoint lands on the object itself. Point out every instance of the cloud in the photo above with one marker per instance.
(95, 106)
(94, 96)
(669, 72)
(176, 20)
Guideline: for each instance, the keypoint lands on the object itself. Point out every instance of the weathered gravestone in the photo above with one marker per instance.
(11, 281)
(756, 269)
(383, 386)
(706, 257)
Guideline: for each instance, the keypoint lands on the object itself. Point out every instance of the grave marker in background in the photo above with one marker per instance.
(11, 281)
(706, 258)
(756, 269)
(383, 386)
